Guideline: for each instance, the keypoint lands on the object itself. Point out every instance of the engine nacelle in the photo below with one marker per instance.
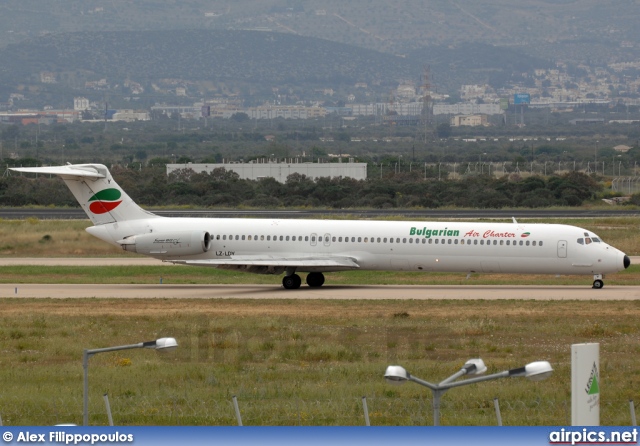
(178, 243)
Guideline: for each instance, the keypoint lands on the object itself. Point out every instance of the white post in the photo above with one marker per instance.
(237, 409)
(631, 408)
(366, 411)
(108, 406)
(585, 384)
(496, 404)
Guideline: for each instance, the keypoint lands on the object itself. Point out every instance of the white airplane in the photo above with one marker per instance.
(266, 246)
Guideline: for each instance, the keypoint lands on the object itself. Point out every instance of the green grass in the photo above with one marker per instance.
(177, 274)
(305, 362)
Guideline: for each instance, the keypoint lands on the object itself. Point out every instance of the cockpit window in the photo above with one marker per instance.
(581, 241)
(587, 240)
(595, 239)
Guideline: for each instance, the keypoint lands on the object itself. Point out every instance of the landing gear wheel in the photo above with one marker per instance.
(315, 280)
(291, 282)
(597, 284)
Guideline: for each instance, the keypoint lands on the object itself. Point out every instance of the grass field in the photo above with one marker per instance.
(306, 362)
(301, 362)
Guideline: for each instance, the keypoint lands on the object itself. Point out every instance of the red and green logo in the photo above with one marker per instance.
(525, 234)
(104, 201)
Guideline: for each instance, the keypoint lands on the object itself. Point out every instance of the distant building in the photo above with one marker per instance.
(80, 104)
(48, 77)
(130, 115)
(469, 120)
(467, 108)
(281, 170)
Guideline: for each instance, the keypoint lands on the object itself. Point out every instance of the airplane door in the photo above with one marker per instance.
(314, 239)
(327, 240)
(562, 249)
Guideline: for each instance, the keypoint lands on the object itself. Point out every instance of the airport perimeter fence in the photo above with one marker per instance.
(379, 411)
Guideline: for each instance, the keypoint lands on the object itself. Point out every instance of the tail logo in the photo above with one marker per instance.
(104, 201)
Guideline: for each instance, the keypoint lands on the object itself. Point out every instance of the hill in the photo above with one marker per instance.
(259, 59)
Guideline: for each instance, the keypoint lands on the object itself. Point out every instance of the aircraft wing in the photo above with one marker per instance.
(258, 263)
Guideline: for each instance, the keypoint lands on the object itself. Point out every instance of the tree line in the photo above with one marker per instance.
(221, 188)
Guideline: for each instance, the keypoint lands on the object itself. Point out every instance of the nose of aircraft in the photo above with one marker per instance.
(626, 261)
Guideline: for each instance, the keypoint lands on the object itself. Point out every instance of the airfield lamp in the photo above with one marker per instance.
(162, 344)
(535, 371)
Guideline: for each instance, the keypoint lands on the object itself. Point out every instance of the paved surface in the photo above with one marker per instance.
(275, 291)
(375, 292)
(409, 214)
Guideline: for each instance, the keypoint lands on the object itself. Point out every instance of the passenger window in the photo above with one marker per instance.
(306, 238)
(397, 240)
(501, 242)
(436, 241)
(508, 242)
(249, 237)
(224, 237)
(482, 242)
(243, 237)
(281, 238)
(391, 240)
(456, 242)
(475, 242)
(287, 238)
(520, 242)
(313, 238)
(339, 239)
(237, 237)
(540, 244)
(449, 241)
(262, 238)
(410, 240)
(384, 240)
(527, 242)
(333, 239)
(430, 241)
(378, 240)
(424, 240)
(353, 239)
(533, 243)
(462, 242)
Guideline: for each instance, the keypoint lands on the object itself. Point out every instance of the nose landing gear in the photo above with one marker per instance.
(597, 281)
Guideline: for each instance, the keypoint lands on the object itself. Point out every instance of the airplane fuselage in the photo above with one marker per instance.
(393, 245)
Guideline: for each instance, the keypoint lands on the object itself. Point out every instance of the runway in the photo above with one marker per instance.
(327, 292)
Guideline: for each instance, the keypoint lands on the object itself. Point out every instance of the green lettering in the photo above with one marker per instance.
(413, 231)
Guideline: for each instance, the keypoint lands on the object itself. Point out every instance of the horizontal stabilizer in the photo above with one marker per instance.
(70, 171)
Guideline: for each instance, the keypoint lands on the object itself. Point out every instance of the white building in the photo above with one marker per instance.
(467, 108)
(80, 104)
(281, 170)
(130, 115)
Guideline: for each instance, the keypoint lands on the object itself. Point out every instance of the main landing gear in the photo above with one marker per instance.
(597, 281)
(293, 281)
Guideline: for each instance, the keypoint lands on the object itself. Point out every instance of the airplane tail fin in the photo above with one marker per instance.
(97, 192)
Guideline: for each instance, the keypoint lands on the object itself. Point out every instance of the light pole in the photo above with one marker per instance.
(535, 371)
(162, 344)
